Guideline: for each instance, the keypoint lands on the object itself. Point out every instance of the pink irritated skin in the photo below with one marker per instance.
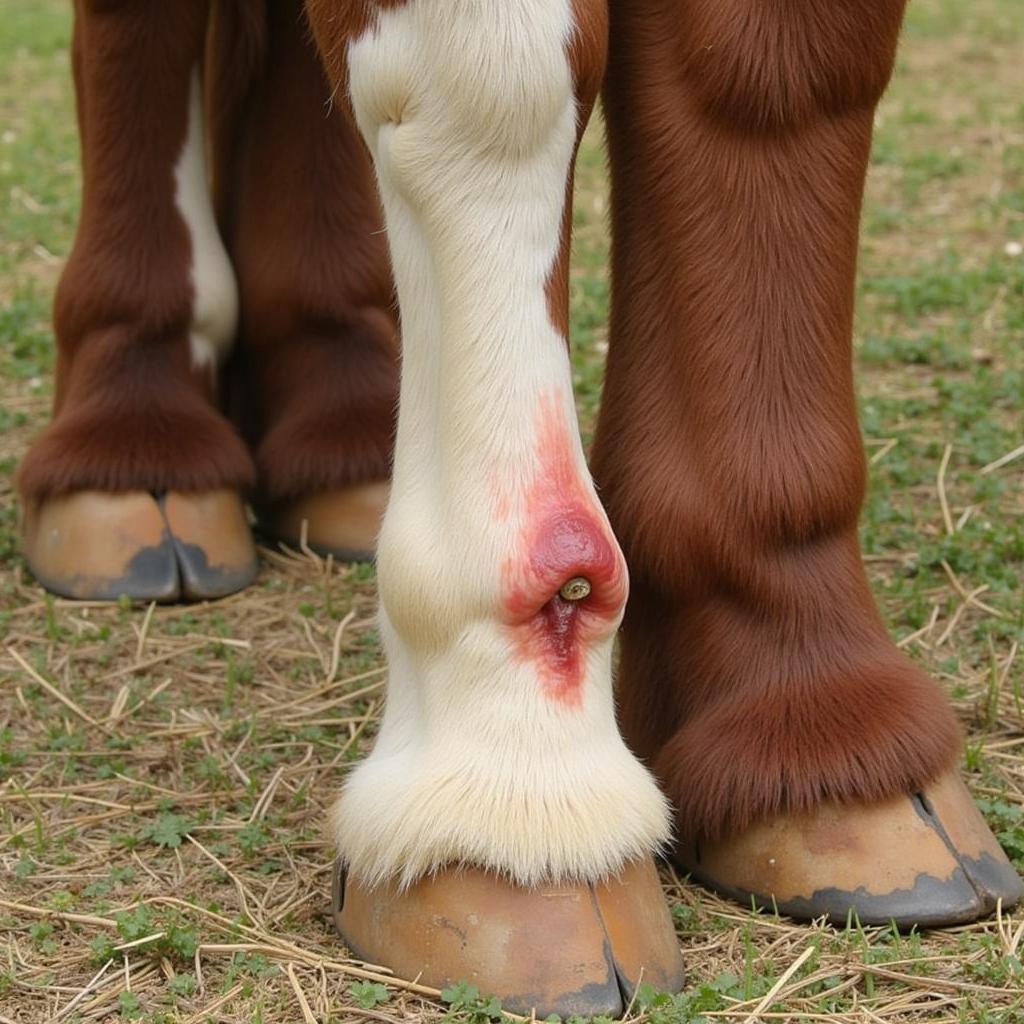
(563, 534)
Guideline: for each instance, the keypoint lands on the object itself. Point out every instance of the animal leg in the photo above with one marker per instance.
(135, 486)
(809, 762)
(499, 831)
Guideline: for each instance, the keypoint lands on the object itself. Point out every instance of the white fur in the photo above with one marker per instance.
(468, 109)
(215, 301)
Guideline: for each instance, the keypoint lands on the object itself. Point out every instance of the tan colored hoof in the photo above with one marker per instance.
(927, 860)
(96, 546)
(566, 949)
(212, 543)
(340, 523)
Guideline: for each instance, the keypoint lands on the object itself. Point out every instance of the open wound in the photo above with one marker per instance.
(564, 584)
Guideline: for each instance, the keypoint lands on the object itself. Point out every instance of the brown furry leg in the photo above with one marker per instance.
(132, 410)
(317, 362)
(756, 674)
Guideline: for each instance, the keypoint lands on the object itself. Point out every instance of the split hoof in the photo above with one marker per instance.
(926, 860)
(212, 543)
(341, 523)
(566, 949)
(97, 546)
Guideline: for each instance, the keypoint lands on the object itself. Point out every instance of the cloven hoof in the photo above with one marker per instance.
(567, 949)
(342, 523)
(92, 545)
(926, 860)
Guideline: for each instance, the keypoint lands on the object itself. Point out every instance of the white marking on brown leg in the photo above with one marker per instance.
(215, 293)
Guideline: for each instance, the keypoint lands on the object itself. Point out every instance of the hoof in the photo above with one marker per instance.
(566, 949)
(344, 523)
(212, 543)
(926, 860)
(96, 546)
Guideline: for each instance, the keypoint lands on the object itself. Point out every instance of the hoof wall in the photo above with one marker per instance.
(343, 523)
(212, 543)
(96, 546)
(566, 949)
(926, 860)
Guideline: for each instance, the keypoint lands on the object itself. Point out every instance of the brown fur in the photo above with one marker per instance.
(127, 423)
(756, 675)
(315, 383)
(129, 412)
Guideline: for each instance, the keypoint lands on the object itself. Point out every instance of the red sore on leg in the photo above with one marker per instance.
(564, 534)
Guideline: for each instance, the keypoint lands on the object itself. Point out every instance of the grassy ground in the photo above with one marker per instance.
(164, 772)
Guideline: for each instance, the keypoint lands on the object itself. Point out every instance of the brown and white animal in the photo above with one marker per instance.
(804, 759)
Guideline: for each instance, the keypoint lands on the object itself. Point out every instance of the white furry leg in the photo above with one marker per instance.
(499, 745)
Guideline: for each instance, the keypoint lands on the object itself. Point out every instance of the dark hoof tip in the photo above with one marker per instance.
(202, 582)
(151, 575)
(929, 903)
